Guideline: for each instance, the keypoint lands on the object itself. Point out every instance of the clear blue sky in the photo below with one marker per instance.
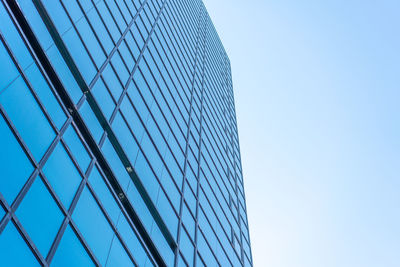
(317, 88)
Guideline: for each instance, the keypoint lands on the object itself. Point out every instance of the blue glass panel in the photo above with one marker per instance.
(26, 115)
(103, 98)
(118, 256)
(181, 262)
(14, 165)
(91, 222)
(103, 192)
(58, 15)
(79, 54)
(8, 71)
(112, 82)
(12, 37)
(100, 30)
(45, 94)
(36, 210)
(78, 150)
(125, 137)
(36, 23)
(2, 212)
(13, 249)
(187, 247)
(162, 245)
(91, 121)
(131, 241)
(91, 41)
(70, 252)
(116, 164)
(65, 75)
(167, 213)
(62, 174)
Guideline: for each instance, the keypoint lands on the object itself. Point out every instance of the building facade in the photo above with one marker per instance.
(118, 136)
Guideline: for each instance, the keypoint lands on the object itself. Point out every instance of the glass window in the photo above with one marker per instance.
(90, 41)
(91, 121)
(8, 71)
(103, 192)
(14, 165)
(12, 36)
(13, 249)
(181, 262)
(62, 174)
(70, 251)
(45, 94)
(93, 225)
(188, 220)
(132, 241)
(64, 73)
(99, 28)
(78, 150)
(38, 209)
(118, 256)
(120, 68)
(26, 115)
(80, 55)
(125, 137)
(112, 82)
(187, 247)
(103, 98)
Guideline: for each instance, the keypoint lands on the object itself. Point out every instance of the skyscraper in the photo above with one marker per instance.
(118, 136)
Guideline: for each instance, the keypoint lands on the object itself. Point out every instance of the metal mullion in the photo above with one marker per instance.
(180, 223)
(114, 141)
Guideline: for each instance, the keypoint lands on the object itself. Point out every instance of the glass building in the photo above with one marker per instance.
(118, 136)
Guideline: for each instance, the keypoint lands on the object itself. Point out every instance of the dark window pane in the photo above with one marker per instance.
(30, 121)
(70, 252)
(62, 174)
(13, 249)
(38, 209)
(93, 225)
(14, 165)
(2, 212)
